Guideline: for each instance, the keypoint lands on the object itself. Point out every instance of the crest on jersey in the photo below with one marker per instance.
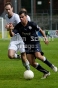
(30, 27)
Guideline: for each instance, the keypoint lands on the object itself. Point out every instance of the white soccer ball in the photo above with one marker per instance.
(28, 74)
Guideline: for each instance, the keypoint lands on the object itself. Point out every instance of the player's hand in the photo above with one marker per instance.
(46, 40)
(11, 27)
(7, 27)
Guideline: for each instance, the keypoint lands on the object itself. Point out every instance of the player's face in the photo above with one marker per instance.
(23, 18)
(8, 9)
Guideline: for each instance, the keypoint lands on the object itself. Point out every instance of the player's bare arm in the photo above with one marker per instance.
(45, 38)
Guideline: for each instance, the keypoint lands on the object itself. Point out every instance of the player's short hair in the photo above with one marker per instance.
(8, 3)
(23, 9)
(21, 12)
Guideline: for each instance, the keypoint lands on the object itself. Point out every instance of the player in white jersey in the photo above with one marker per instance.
(16, 42)
(11, 18)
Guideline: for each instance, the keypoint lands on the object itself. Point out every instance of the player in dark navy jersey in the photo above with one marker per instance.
(27, 30)
(29, 36)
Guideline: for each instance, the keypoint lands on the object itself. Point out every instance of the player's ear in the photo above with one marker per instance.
(12, 8)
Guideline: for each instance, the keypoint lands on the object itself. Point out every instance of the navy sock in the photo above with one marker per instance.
(48, 63)
(41, 69)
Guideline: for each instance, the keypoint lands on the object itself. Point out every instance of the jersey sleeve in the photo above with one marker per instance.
(36, 27)
(17, 18)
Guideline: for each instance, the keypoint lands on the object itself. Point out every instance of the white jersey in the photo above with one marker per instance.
(28, 18)
(14, 19)
(16, 42)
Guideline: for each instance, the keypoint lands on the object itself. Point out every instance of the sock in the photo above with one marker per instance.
(48, 63)
(17, 56)
(26, 64)
(41, 69)
(44, 59)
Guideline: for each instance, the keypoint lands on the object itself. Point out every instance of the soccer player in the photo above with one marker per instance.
(27, 30)
(16, 42)
(11, 18)
(29, 19)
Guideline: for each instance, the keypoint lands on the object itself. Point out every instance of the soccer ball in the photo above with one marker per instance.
(28, 74)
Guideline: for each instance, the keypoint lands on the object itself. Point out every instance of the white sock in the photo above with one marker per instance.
(26, 64)
(16, 56)
(37, 65)
(44, 59)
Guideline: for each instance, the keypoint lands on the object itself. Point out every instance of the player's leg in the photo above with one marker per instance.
(12, 49)
(37, 66)
(25, 61)
(43, 58)
(23, 55)
(38, 55)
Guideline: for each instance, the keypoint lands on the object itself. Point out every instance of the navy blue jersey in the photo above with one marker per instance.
(29, 35)
(28, 32)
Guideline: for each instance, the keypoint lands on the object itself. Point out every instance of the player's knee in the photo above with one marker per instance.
(11, 56)
(38, 56)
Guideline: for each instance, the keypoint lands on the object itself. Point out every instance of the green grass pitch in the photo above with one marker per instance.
(11, 71)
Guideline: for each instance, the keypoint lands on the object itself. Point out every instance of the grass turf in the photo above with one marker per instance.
(11, 71)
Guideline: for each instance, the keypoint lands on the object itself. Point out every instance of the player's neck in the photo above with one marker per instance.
(24, 24)
(10, 15)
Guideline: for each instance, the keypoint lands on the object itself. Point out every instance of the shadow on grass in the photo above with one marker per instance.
(10, 77)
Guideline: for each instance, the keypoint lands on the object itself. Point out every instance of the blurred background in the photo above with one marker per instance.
(43, 12)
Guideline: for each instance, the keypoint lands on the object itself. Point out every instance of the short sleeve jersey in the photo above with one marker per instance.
(28, 32)
(14, 19)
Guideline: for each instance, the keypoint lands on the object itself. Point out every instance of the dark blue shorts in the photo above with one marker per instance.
(32, 48)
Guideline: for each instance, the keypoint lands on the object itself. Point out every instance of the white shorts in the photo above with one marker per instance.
(17, 44)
